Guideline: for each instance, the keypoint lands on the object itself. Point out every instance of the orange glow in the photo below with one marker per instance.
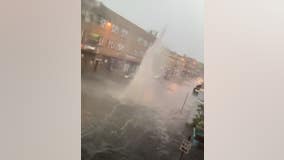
(172, 87)
(108, 24)
(199, 81)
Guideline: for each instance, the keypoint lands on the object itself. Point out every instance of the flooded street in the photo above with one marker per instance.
(134, 86)
(116, 128)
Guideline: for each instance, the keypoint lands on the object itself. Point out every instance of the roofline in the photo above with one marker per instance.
(103, 5)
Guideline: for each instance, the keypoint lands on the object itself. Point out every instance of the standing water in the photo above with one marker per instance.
(142, 123)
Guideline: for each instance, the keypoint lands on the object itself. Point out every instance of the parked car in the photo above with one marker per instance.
(198, 136)
(197, 89)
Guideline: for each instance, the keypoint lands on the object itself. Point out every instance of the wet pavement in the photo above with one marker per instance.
(120, 129)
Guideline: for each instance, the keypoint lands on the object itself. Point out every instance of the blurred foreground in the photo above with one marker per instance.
(116, 128)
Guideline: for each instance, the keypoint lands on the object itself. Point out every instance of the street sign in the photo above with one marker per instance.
(185, 146)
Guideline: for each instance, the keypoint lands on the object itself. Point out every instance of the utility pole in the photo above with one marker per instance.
(184, 101)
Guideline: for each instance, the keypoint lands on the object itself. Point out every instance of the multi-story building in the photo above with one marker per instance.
(110, 41)
(181, 67)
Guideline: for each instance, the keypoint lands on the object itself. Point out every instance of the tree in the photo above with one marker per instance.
(198, 121)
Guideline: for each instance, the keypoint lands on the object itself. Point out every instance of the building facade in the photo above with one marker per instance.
(109, 41)
(180, 67)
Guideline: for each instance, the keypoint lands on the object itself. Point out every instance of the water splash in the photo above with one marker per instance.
(126, 124)
(140, 88)
(109, 115)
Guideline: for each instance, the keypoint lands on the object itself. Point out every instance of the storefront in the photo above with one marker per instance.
(119, 64)
(87, 61)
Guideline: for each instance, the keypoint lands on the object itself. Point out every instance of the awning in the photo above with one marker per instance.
(94, 37)
(132, 59)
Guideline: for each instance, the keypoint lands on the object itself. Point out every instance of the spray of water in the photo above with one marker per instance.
(140, 88)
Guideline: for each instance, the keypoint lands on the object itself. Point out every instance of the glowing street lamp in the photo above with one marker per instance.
(108, 24)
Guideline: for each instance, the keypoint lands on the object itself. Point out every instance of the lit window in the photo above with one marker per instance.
(115, 28)
(103, 22)
(124, 32)
(120, 46)
(111, 44)
(101, 41)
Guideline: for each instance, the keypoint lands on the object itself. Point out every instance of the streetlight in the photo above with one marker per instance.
(108, 24)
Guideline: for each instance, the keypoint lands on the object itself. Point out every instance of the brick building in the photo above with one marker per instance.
(181, 67)
(109, 41)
